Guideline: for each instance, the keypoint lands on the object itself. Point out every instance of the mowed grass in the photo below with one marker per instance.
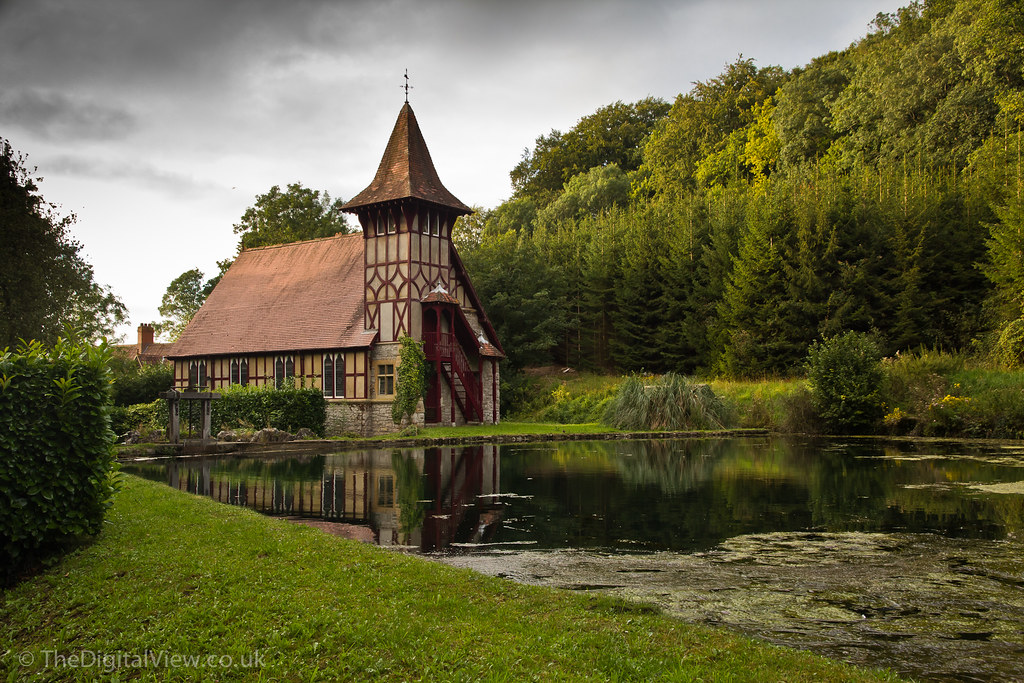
(175, 576)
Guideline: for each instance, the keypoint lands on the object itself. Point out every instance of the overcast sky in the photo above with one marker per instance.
(158, 122)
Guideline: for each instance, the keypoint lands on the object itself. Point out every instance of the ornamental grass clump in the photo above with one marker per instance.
(670, 402)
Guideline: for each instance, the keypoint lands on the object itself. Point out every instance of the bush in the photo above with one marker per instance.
(667, 403)
(1010, 346)
(845, 377)
(565, 408)
(289, 409)
(133, 385)
(145, 417)
(56, 449)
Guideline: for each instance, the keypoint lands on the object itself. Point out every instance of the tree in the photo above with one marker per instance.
(45, 284)
(700, 124)
(296, 214)
(588, 193)
(522, 295)
(184, 296)
(612, 135)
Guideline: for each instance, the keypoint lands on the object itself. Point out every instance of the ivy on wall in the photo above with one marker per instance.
(412, 378)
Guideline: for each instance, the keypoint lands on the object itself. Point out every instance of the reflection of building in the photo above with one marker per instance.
(427, 498)
(329, 313)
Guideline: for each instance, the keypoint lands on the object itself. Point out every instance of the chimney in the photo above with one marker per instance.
(145, 336)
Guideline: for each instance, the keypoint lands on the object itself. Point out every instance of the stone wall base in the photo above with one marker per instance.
(366, 418)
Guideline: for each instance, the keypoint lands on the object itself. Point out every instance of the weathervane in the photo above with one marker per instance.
(406, 86)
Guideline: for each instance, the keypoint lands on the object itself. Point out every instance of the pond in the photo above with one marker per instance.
(904, 555)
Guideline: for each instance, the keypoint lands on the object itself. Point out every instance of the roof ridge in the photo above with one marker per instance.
(335, 236)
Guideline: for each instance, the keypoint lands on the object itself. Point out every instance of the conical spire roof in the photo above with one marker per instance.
(406, 171)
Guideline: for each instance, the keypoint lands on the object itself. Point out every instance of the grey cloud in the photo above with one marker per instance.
(52, 115)
(176, 185)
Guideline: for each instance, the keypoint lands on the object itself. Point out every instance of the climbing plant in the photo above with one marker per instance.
(412, 378)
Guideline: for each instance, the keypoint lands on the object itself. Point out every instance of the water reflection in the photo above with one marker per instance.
(424, 498)
(642, 495)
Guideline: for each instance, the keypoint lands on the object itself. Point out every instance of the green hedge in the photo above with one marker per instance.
(141, 416)
(56, 449)
(289, 409)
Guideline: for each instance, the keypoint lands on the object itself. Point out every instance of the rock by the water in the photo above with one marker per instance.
(130, 437)
(271, 435)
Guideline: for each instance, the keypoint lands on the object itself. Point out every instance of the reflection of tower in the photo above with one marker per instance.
(462, 484)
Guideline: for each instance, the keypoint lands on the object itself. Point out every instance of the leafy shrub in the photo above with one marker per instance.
(845, 376)
(289, 409)
(666, 403)
(133, 384)
(145, 417)
(56, 449)
(1010, 346)
(916, 380)
(565, 408)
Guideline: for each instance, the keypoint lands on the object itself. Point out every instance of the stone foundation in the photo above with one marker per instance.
(365, 418)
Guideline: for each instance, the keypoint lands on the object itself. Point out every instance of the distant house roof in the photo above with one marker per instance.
(149, 354)
(290, 297)
(406, 171)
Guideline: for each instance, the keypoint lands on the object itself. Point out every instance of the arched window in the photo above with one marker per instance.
(279, 372)
(334, 375)
(197, 374)
(243, 372)
(234, 372)
(329, 375)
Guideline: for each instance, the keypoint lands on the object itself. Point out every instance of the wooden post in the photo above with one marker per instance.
(174, 415)
(207, 405)
(174, 399)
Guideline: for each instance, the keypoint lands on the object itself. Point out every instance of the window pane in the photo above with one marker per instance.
(279, 372)
(234, 371)
(202, 375)
(328, 376)
(243, 375)
(385, 379)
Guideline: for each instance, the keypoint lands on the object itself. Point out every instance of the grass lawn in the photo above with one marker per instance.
(184, 588)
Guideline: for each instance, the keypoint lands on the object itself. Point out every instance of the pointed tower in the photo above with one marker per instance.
(407, 216)
(415, 284)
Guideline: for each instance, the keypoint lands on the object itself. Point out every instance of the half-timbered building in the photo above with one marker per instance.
(328, 313)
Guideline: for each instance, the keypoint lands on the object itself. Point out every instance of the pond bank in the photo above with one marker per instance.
(176, 575)
(336, 445)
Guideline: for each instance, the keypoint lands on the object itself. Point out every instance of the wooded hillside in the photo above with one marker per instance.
(876, 189)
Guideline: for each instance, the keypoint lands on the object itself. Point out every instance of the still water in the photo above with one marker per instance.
(904, 555)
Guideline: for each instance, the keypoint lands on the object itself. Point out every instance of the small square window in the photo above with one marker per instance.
(385, 379)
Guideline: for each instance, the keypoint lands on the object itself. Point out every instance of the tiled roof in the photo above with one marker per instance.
(290, 297)
(406, 171)
(150, 354)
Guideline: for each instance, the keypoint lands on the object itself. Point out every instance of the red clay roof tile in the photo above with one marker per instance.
(289, 297)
